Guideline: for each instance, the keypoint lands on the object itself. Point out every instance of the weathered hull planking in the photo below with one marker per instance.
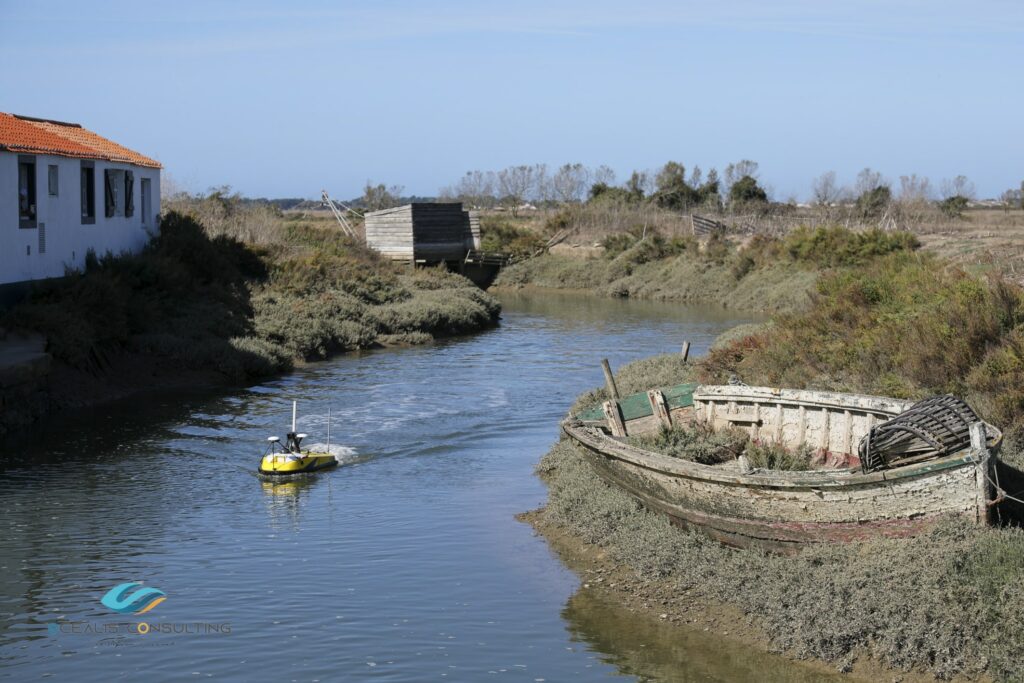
(780, 511)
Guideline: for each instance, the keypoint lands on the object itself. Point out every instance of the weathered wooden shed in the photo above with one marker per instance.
(422, 232)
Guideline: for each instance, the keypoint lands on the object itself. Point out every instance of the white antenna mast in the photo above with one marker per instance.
(295, 409)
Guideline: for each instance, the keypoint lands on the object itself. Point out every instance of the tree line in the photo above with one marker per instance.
(738, 189)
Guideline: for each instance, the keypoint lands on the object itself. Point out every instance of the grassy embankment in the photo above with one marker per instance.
(762, 274)
(645, 252)
(946, 603)
(295, 291)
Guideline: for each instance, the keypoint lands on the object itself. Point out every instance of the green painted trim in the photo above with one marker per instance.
(636, 406)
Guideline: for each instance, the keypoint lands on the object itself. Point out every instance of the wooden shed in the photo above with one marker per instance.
(421, 232)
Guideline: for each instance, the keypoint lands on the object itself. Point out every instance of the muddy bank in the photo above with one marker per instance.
(691, 616)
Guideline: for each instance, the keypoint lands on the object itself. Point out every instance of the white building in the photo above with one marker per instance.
(64, 191)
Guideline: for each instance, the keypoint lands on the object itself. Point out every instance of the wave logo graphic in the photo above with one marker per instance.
(123, 600)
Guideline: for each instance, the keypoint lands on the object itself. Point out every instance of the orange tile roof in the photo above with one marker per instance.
(38, 136)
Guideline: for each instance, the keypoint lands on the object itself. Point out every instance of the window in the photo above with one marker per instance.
(88, 180)
(26, 191)
(51, 177)
(114, 195)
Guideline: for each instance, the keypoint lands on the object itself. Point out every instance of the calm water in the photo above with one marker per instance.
(404, 564)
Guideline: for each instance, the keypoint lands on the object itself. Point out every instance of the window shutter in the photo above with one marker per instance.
(129, 193)
(108, 183)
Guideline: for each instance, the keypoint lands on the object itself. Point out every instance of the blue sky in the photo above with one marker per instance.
(286, 99)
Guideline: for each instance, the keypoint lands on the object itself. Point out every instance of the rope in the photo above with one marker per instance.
(1001, 493)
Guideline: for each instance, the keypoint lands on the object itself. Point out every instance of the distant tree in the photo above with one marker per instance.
(873, 203)
(869, 180)
(603, 174)
(673, 191)
(745, 191)
(542, 186)
(637, 185)
(515, 184)
(959, 186)
(826, 190)
(954, 206)
(915, 189)
(601, 193)
(570, 182)
(711, 189)
(377, 197)
(733, 173)
(1010, 199)
(696, 177)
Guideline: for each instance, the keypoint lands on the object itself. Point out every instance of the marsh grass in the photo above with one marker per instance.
(302, 292)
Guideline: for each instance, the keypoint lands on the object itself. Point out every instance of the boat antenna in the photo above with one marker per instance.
(328, 431)
(295, 408)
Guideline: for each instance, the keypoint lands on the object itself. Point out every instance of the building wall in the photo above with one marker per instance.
(59, 219)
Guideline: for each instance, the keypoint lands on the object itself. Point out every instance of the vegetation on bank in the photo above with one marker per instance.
(762, 273)
(199, 296)
(946, 602)
(907, 325)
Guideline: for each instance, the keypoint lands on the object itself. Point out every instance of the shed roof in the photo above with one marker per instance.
(24, 134)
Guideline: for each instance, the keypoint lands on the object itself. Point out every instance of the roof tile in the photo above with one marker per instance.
(18, 134)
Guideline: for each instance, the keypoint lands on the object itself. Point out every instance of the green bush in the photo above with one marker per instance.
(906, 325)
(830, 247)
(953, 207)
(503, 235)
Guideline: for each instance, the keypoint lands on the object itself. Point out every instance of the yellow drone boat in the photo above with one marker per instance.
(290, 458)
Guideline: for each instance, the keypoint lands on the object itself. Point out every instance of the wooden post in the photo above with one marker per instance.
(660, 408)
(611, 413)
(686, 351)
(980, 450)
(609, 380)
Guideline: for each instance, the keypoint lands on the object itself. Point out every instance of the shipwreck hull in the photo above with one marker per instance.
(777, 510)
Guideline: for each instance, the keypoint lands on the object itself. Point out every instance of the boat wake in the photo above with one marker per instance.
(342, 454)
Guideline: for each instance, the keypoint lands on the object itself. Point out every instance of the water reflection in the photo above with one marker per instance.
(286, 498)
(652, 650)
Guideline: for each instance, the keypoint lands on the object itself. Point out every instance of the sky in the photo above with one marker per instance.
(286, 99)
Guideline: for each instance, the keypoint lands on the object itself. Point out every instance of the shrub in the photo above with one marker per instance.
(906, 325)
(499, 234)
(695, 443)
(953, 207)
(830, 247)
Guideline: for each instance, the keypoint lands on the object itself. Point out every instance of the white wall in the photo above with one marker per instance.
(67, 239)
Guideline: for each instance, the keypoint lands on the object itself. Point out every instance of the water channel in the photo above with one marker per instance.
(404, 564)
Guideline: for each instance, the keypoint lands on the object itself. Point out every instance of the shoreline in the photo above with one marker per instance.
(132, 375)
(684, 279)
(662, 601)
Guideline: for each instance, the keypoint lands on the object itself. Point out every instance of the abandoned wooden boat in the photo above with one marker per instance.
(880, 473)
